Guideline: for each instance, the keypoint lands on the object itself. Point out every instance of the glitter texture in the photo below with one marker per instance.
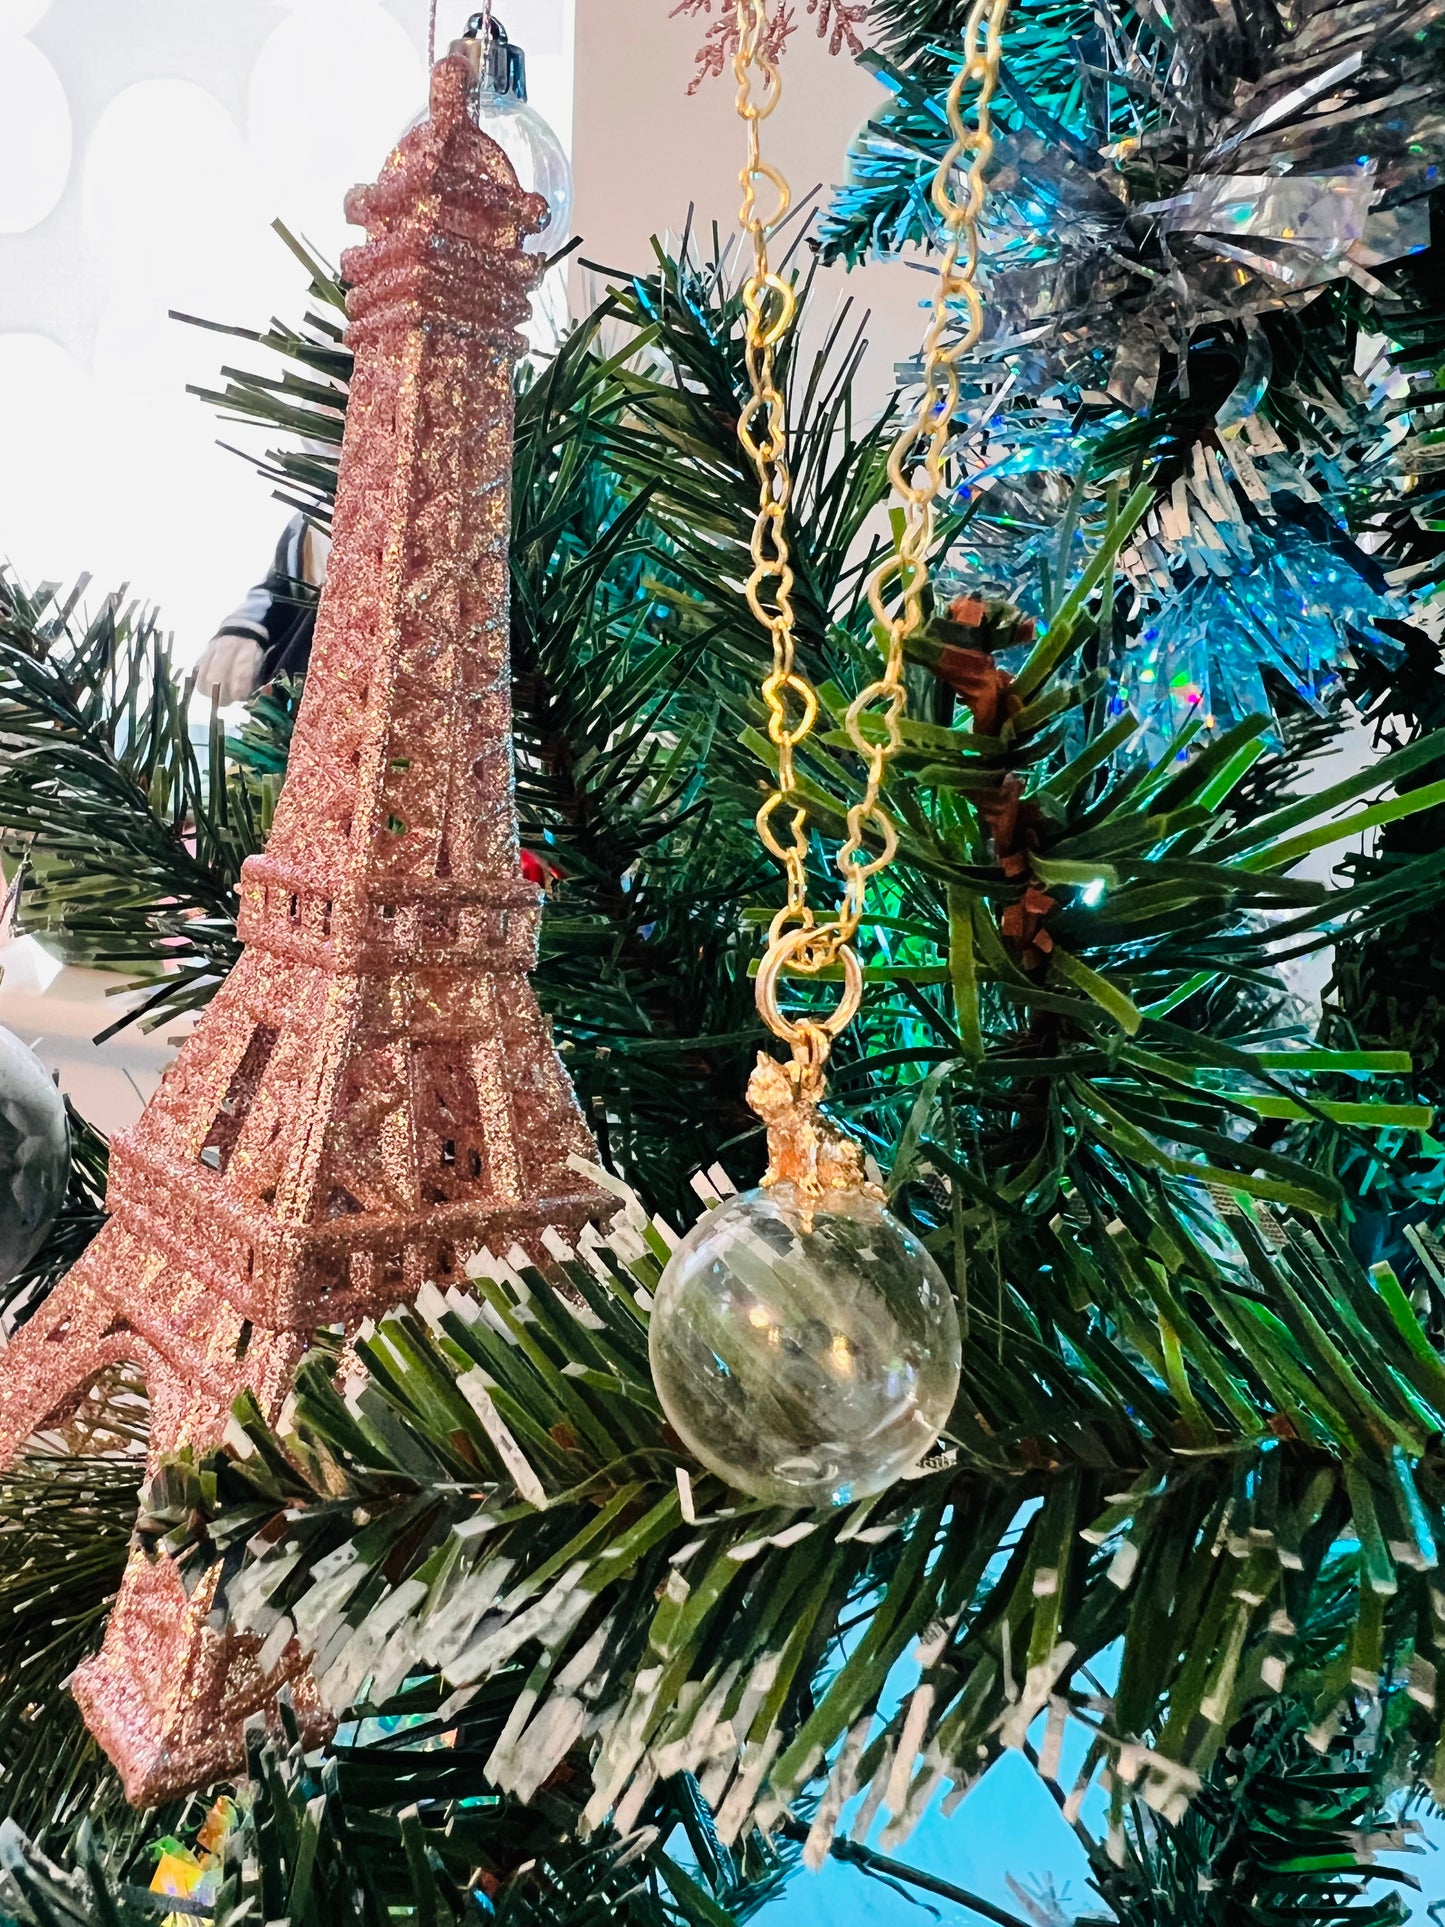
(373, 1094)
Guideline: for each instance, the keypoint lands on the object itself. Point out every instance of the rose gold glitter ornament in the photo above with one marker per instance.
(373, 1093)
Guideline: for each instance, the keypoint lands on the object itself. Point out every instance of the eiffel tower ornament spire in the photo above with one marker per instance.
(373, 1093)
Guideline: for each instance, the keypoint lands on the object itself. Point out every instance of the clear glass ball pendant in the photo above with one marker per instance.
(538, 159)
(808, 1367)
(501, 109)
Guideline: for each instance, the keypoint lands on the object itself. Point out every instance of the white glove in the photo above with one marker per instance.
(229, 666)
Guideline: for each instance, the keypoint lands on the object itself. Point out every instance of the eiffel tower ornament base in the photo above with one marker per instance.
(169, 1696)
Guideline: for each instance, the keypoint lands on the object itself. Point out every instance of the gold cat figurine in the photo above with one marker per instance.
(804, 1149)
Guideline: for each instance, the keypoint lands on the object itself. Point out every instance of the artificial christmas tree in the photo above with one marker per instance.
(1189, 1502)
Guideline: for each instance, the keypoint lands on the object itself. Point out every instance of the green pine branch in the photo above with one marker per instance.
(1284, 1834)
(375, 1834)
(67, 1530)
(132, 840)
(1169, 1451)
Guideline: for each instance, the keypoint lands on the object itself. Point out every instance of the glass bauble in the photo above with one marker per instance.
(808, 1367)
(34, 1154)
(502, 110)
(538, 159)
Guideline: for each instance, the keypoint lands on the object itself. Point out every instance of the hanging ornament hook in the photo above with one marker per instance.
(797, 942)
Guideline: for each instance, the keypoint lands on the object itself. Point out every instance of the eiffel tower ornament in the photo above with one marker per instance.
(373, 1093)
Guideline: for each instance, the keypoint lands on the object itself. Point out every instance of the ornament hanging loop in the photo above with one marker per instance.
(809, 950)
(787, 1097)
(810, 1059)
(917, 468)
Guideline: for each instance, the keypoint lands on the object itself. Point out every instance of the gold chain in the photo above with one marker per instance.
(875, 716)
